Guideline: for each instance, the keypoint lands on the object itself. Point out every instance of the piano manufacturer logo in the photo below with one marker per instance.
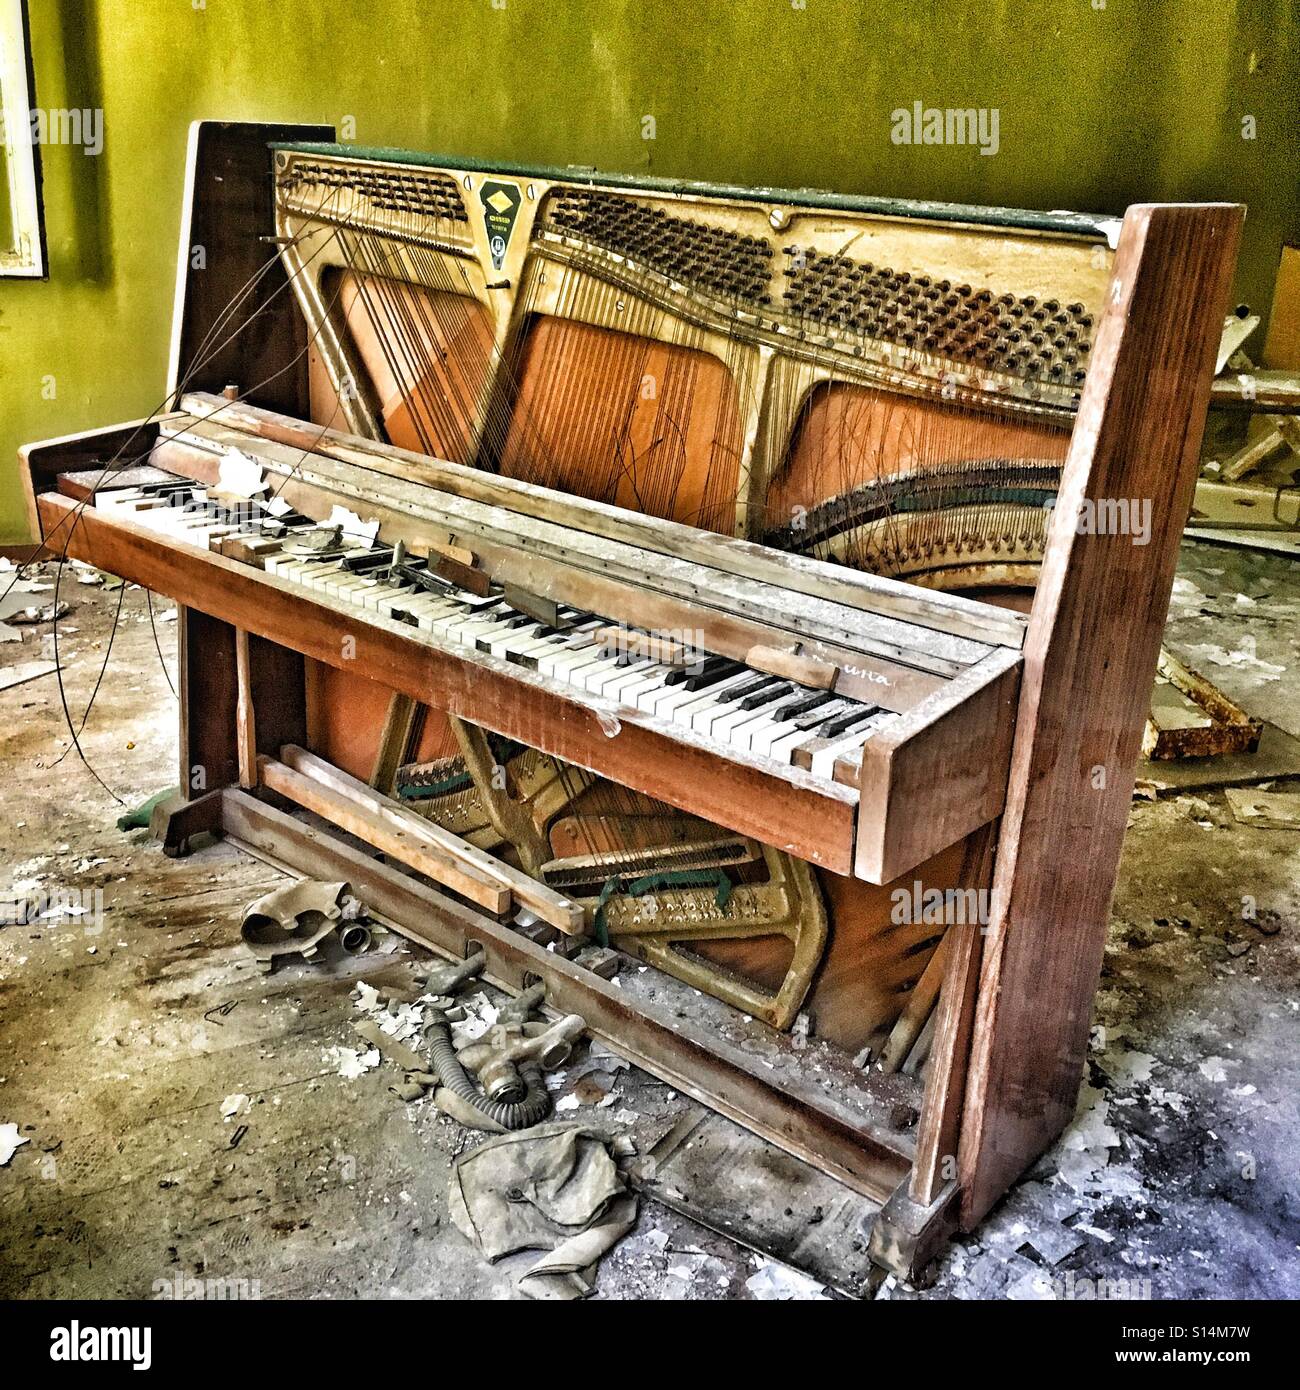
(500, 209)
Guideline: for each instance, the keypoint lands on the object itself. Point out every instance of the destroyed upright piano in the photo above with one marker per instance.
(702, 568)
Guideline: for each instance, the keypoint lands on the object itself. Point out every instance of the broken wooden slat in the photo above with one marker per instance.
(550, 906)
(400, 842)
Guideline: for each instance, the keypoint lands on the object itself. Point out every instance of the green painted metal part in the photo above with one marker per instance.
(1022, 219)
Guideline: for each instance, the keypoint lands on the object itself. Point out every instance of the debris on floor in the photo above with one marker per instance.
(1264, 810)
(780, 1282)
(181, 1022)
(27, 671)
(351, 1062)
(294, 919)
(555, 1188)
(10, 1141)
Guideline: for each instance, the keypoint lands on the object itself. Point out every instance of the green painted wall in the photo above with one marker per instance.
(1100, 104)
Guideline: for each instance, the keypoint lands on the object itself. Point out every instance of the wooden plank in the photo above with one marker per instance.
(1243, 507)
(802, 1118)
(1090, 655)
(396, 840)
(549, 905)
(756, 797)
(245, 718)
(402, 724)
(949, 613)
(916, 1012)
(1260, 392)
(939, 1128)
(939, 772)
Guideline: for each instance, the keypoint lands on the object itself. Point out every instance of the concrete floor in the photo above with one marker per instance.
(118, 1044)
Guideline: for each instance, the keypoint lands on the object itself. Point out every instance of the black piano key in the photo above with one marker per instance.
(715, 669)
(371, 560)
(843, 723)
(745, 688)
(812, 701)
(823, 714)
(765, 696)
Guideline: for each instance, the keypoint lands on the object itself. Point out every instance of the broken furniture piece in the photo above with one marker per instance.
(773, 429)
(1191, 717)
(1234, 505)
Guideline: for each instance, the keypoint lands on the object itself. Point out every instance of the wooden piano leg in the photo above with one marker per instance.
(908, 1236)
(209, 695)
(178, 819)
(240, 695)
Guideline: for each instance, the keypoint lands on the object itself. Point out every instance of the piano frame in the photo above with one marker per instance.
(1029, 754)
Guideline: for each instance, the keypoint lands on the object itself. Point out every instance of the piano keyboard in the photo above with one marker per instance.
(722, 700)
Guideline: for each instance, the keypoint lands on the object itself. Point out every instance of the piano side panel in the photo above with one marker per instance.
(1085, 694)
(260, 343)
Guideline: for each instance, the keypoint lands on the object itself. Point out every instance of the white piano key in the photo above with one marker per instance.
(570, 659)
(632, 674)
(650, 681)
(824, 760)
(531, 652)
(593, 676)
(434, 614)
(496, 632)
(737, 730)
(781, 749)
(346, 586)
(515, 640)
(713, 705)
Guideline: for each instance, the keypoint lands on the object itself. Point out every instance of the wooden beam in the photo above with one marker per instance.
(545, 902)
(402, 725)
(939, 1129)
(245, 718)
(1090, 655)
(397, 840)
